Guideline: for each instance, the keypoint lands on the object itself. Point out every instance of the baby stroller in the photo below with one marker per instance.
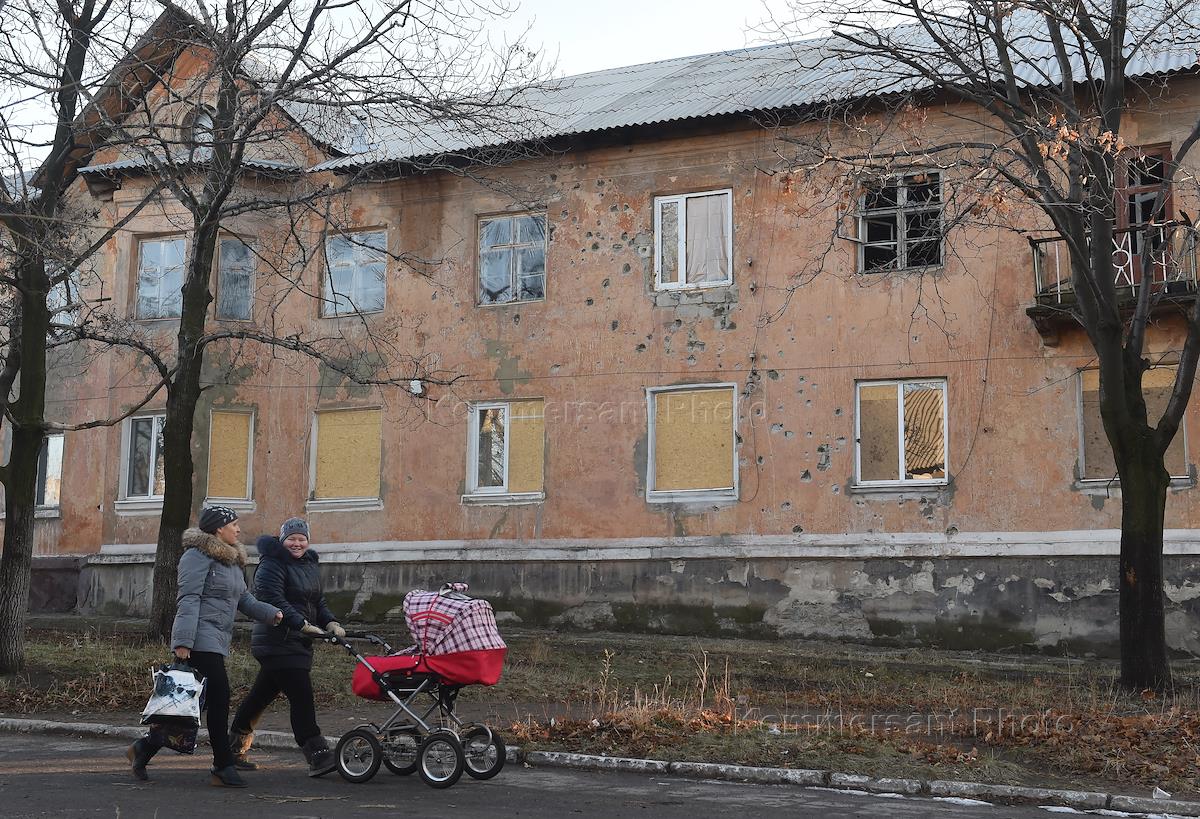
(457, 645)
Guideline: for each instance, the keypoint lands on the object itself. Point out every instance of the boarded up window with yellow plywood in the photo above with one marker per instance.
(693, 439)
(1098, 463)
(229, 454)
(526, 445)
(348, 454)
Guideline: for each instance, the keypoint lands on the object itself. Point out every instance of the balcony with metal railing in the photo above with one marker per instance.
(1170, 272)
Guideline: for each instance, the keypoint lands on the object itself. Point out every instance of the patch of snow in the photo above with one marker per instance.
(960, 800)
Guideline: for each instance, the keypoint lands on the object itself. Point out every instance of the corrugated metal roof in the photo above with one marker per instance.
(755, 79)
(141, 163)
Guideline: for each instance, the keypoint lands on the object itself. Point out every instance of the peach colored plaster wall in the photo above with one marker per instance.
(602, 336)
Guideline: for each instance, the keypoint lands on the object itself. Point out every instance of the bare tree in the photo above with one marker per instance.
(1040, 95)
(228, 136)
(53, 59)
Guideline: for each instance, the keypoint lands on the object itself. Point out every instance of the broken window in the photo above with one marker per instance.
(901, 432)
(693, 239)
(230, 443)
(160, 278)
(1141, 175)
(347, 454)
(144, 465)
(512, 258)
(1095, 451)
(49, 472)
(692, 442)
(900, 224)
(235, 280)
(355, 278)
(64, 299)
(507, 448)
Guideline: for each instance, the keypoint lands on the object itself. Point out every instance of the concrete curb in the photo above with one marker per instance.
(1081, 800)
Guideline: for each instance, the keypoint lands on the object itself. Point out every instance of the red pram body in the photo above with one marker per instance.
(457, 644)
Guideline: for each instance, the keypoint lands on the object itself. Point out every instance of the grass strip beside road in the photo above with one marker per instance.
(1009, 719)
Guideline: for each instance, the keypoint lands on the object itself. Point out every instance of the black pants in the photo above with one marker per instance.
(293, 683)
(216, 697)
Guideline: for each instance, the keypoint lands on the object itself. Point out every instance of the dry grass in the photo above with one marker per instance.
(923, 713)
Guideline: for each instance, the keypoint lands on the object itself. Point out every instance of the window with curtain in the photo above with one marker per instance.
(235, 280)
(693, 240)
(160, 278)
(355, 275)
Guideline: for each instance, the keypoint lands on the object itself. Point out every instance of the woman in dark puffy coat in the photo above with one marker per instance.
(287, 577)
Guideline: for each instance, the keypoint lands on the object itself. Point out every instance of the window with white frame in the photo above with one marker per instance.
(144, 465)
(512, 258)
(506, 448)
(356, 269)
(693, 442)
(693, 240)
(49, 472)
(1096, 461)
(230, 454)
(235, 280)
(160, 278)
(900, 432)
(900, 223)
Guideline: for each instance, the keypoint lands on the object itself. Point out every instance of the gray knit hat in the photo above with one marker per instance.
(293, 526)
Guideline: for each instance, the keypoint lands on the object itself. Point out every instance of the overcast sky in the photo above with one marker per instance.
(591, 36)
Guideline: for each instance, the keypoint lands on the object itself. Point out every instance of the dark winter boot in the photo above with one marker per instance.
(239, 743)
(227, 778)
(318, 755)
(139, 755)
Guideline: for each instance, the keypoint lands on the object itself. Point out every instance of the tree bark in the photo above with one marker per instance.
(1144, 482)
(183, 395)
(16, 563)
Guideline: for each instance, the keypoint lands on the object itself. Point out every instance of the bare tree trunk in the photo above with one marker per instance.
(1144, 482)
(177, 499)
(28, 414)
(16, 564)
(182, 397)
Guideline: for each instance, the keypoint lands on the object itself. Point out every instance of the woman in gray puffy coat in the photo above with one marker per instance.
(212, 589)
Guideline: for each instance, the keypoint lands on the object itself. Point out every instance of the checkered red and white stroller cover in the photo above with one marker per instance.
(457, 640)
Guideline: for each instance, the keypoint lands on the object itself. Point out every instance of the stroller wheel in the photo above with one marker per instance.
(484, 752)
(400, 751)
(440, 761)
(358, 755)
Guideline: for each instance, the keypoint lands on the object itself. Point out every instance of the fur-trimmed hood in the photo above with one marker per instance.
(214, 547)
(271, 546)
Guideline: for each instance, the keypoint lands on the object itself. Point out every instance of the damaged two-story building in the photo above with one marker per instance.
(651, 425)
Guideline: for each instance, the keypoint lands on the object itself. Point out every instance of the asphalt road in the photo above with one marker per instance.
(54, 776)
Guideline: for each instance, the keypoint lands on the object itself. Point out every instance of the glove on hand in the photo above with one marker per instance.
(311, 630)
(335, 628)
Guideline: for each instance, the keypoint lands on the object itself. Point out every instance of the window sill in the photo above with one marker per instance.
(236, 504)
(504, 499)
(344, 505)
(138, 506)
(41, 513)
(353, 314)
(906, 271)
(705, 496)
(1110, 487)
(148, 319)
(908, 489)
(513, 303)
(689, 288)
